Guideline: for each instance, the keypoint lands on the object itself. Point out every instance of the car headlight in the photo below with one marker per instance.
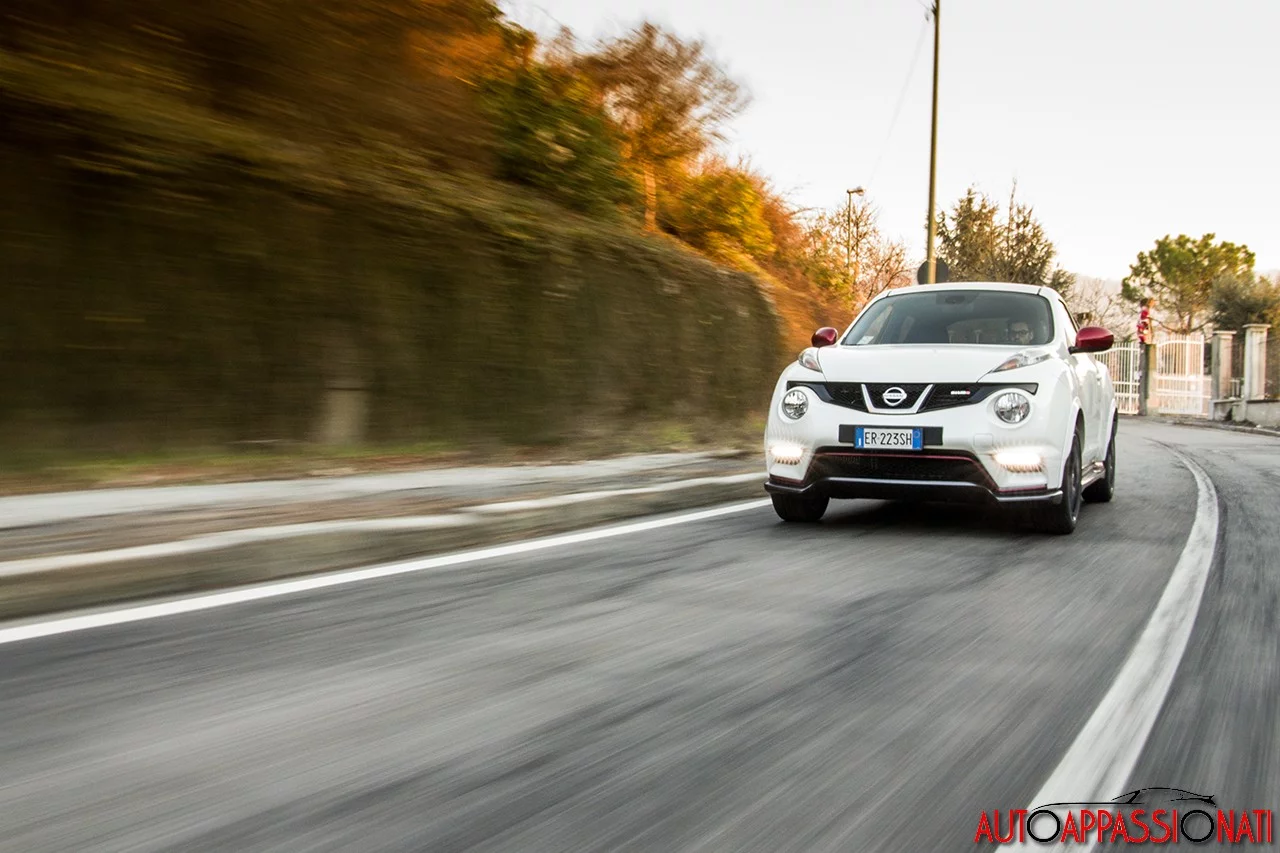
(809, 359)
(1012, 407)
(795, 403)
(1025, 358)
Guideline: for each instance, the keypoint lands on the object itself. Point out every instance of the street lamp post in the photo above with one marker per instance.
(930, 258)
(848, 229)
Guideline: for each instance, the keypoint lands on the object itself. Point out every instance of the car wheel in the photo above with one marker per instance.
(1060, 518)
(803, 508)
(1101, 491)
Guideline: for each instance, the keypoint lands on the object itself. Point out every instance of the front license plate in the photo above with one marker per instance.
(889, 439)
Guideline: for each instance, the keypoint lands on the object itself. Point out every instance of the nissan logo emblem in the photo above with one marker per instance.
(893, 396)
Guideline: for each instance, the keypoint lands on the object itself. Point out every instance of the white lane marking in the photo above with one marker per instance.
(273, 589)
(226, 539)
(231, 538)
(1097, 765)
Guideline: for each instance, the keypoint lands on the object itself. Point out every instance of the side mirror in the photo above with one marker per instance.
(825, 337)
(1093, 339)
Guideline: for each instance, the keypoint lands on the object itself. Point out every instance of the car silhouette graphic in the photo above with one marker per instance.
(1141, 797)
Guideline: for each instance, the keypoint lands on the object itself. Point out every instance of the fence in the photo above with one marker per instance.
(1271, 389)
(1182, 386)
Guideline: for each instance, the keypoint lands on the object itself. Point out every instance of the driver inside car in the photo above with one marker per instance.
(1020, 332)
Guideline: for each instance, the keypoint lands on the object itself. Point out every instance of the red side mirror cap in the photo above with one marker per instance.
(1093, 339)
(825, 337)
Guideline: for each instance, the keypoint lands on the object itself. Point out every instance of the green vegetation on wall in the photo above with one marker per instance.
(218, 304)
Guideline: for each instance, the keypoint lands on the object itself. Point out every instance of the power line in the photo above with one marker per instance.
(902, 96)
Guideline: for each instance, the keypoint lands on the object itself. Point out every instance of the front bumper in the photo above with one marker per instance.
(944, 476)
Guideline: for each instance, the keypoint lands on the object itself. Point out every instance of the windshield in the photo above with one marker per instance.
(990, 317)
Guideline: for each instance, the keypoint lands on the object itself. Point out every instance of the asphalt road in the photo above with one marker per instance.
(868, 684)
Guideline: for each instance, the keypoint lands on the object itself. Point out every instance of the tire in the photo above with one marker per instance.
(1061, 518)
(1103, 490)
(800, 508)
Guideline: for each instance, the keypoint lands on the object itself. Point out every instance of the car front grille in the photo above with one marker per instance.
(908, 394)
(912, 467)
(950, 396)
(942, 396)
(847, 394)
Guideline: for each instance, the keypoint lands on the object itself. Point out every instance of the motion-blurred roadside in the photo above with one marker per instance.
(353, 223)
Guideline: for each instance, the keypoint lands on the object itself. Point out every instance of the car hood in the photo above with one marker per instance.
(911, 363)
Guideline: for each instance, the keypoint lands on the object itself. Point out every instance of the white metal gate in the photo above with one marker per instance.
(1125, 363)
(1181, 385)
(1182, 388)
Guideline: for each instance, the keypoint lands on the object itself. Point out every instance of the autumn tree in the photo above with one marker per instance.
(825, 254)
(977, 243)
(877, 262)
(785, 227)
(1180, 273)
(668, 98)
(719, 210)
(554, 137)
(849, 256)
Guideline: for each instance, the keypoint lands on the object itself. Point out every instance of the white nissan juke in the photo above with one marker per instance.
(973, 392)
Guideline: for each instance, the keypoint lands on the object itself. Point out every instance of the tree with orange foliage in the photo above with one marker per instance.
(668, 98)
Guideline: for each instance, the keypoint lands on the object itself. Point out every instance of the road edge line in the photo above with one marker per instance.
(74, 622)
(1099, 761)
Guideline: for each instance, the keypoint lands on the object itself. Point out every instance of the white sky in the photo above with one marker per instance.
(1122, 120)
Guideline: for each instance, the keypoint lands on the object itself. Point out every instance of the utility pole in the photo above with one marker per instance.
(930, 257)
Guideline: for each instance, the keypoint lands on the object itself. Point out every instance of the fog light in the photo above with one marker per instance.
(1019, 461)
(786, 452)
